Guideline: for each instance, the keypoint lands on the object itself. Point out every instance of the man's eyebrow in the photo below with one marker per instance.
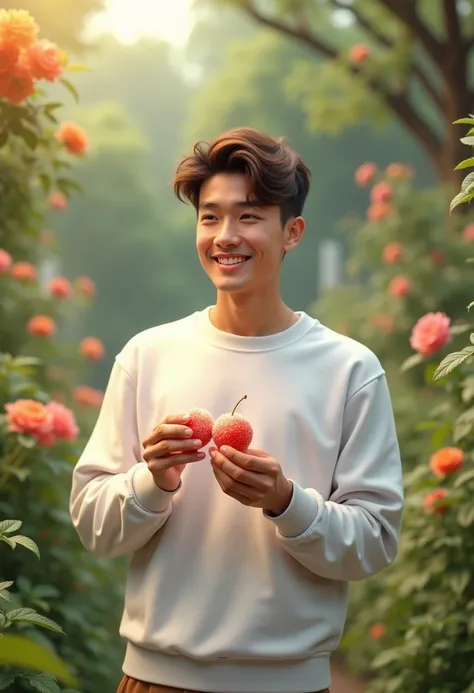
(239, 203)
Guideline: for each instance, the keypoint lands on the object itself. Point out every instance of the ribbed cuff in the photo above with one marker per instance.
(146, 492)
(299, 515)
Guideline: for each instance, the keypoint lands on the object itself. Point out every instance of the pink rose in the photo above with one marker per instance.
(381, 192)
(29, 417)
(64, 422)
(5, 261)
(431, 333)
(365, 173)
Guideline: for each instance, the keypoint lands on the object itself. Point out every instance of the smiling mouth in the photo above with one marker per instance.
(234, 260)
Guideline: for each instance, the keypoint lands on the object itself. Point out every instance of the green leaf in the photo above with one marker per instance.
(468, 140)
(44, 683)
(7, 540)
(460, 329)
(27, 543)
(22, 652)
(66, 184)
(26, 615)
(452, 361)
(8, 526)
(467, 163)
(464, 121)
(5, 585)
(72, 89)
(386, 657)
(6, 680)
(464, 478)
(466, 515)
(46, 182)
(5, 595)
(467, 182)
(411, 361)
(26, 441)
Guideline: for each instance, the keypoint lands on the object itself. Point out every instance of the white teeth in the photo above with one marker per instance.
(230, 260)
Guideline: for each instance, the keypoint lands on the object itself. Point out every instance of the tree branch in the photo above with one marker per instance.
(398, 103)
(453, 25)
(362, 21)
(406, 12)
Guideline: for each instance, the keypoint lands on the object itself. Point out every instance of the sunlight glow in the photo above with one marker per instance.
(129, 20)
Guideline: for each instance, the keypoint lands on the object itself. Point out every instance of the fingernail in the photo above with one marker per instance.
(188, 432)
(186, 417)
(197, 443)
(212, 453)
(224, 449)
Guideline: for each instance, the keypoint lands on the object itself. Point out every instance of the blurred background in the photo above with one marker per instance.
(367, 91)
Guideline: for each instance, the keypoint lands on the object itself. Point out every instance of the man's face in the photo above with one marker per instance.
(240, 246)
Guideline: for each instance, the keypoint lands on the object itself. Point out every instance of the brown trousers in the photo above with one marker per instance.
(129, 685)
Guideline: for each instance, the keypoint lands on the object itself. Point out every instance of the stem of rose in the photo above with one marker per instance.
(12, 461)
(240, 400)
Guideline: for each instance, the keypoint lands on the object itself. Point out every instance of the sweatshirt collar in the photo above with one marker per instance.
(234, 342)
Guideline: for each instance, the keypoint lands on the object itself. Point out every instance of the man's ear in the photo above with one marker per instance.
(294, 230)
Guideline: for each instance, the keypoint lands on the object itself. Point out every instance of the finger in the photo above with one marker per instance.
(160, 464)
(167, 447)
(233, 488)
(253, 480)
(247, 460)
(172, 427)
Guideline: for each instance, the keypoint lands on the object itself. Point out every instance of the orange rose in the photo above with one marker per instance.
(377, 631)
(432, 501)
(381, 192)
(359, 53)
(86, 286)
(41, 326)
(398, 171)
(378, 211)
(23, 271)
(17, 85)
(92, 348)
(446, 461)
(58, 200)
(468, 232)
(73, 137)
(43, 60)
(393, 252)
(60, 287)
(30, 417)
(365, 174)
(399, 286)
(18, 27)
(88, 397)
(9, 53)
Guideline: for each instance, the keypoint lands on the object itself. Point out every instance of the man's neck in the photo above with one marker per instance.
(252, 317)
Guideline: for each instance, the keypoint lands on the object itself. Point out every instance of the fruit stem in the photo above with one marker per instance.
(240, 400)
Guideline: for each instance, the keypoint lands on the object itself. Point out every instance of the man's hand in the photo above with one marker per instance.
(169, 449)
(253, 478)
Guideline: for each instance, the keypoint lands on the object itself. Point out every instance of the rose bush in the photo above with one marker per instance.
(45, 410)
(419, 631)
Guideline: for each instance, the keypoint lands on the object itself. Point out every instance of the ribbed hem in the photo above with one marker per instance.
(299, 515)
(146, 492)
(228, 676)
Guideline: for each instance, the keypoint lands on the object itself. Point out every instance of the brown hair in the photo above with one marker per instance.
(277, 175)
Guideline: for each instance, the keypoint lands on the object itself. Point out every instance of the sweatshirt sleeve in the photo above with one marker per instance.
(115, 504)
(355, 533)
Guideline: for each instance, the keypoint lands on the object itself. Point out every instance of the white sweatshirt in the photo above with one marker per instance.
(219, 596)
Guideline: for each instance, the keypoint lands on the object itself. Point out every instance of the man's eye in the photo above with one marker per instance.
(249, 216)
(208, 217)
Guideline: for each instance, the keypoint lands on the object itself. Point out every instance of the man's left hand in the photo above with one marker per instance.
(253, 478)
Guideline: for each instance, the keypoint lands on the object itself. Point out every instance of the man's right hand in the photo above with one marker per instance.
(168, 449)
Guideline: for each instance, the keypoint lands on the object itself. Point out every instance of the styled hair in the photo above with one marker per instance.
(276, 174)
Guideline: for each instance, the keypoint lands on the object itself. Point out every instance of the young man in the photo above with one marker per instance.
(241, 562)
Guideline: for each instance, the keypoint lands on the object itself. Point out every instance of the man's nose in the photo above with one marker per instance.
(227, 234)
